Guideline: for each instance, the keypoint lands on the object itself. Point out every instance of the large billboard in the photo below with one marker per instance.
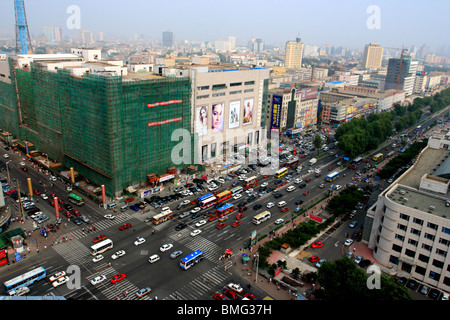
(248, 112)
(202, 120)
(235, 112)
(276, 112)
(310, 93)
(217, 117)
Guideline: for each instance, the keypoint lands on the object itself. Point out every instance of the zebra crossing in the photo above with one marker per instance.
(202, 285)
(211, 250)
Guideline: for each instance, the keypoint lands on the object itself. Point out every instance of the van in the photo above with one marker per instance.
(281, 204)
(124, 208)
(290, 188)
(165, 209)
(153, 258)
(111, 205)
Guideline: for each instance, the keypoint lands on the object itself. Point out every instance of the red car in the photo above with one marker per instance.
(330, 168)
(219, 296)
(308, 180)
(75, 212)
(250, 296)
(68, 214)
(220, 225)
(125, 226)
(284, 209)
(241, 209)
(213, 217)
(303, 156)
(239, 216)
(129, 199)
(306, 193)
(99, 238)
(118, 277)
(317, 244)
(314, 258)
(318, 175)
(11, 191)
(236, 223)
(36, 191)
(231, 294)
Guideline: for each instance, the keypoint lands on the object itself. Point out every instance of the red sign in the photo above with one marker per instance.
(277, 272)
(164, 103)
(158, 123)
(316, 218)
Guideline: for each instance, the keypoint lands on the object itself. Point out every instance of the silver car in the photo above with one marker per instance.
(175, 254)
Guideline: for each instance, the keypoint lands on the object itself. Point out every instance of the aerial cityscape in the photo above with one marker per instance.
(183, 151)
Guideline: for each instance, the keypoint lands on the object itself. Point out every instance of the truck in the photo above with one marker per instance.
(312, 161)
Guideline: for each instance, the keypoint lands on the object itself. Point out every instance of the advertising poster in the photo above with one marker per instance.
(248, 111)
(235, 111)
(217, 117)
(202, 120)
(276, 113)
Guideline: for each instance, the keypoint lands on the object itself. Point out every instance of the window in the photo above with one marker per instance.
(410, 253)
(426, 247)
(248, 90)
(213, 149)
(219, 86)
(438, 263)
(424, 258)
(219, 94)
(441, 252)
(235, 84)
(399, 237)
(432, 226)
(429, 236)
(203, 88)
(204, 96)
(445, 230)
(401, 227)
(396, 248)
(444, 241)
(413, 242)
(435, 276)
(420, 270)
(404, 217)
(393, 260)
(236, 92)
(415, 231)
(418, 221)
(249, 82)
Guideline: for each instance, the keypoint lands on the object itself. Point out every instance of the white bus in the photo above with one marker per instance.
(263, 216)
(101, 247)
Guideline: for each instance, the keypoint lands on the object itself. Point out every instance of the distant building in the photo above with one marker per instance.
(294, 54)
(167, 39)
(401, 74)
(373, 55)
(53, 34)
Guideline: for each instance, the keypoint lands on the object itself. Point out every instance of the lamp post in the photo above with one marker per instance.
(7, 170)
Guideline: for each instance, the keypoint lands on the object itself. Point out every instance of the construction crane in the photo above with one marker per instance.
(401, 61)
(23, 39)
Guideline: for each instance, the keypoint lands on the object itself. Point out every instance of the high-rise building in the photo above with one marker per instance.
(401, 74)
(408, 228)
(86, 37)
(294, 54)
(373, 55)
(167, 39)
(53, 34)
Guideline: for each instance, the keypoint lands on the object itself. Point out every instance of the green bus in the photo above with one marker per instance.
(76, 199)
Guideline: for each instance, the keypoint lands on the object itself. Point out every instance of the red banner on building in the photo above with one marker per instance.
(316, 218)
(158, 123)
(164, 103)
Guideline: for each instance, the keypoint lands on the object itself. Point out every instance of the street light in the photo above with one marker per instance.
(7, 171)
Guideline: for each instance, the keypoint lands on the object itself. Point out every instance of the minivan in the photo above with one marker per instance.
(153, 258)
(281, 204)
(290, 188)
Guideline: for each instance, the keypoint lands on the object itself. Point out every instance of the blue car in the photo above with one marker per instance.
(134, 207)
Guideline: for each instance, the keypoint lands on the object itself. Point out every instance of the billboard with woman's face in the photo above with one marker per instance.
(202, 120)
(235, 111)
(248, 111)
(217, 117)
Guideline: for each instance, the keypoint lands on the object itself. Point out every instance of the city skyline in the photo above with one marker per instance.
(346, 23)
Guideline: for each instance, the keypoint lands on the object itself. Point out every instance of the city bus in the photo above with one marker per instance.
(208, 202)
(357, 161)
(76, 199)
(332, 176)
(224, 196)
(162, 217)
(206, 196)
(281, 172)
(236, 190)
(191, 259)
(378, 156)
(252, 181)
(291, 163)
(225, 209)
(263, 216)
(26, 279)
(101, 247)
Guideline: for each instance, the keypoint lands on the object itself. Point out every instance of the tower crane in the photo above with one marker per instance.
(23, 39)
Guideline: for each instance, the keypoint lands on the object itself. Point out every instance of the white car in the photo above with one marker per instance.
(200, 223)
(264, 184)
(57, 275)
(221, 180)
(166, 247)
(185, 202)
(6, 156)
(358, 259)
(338, 187)
(165, 209)
(279, 221)
(317, 170)
(195, 210)
(98, 279)
(97, 258)
(298, 180)
(109, 216)
(22, 163)
(118, 254)
(249, 191)
(53, 178)
(242, 177)
(235, 287)
(212, 188)
(270, 205)
(60, 281)
(237, 196)
(139, 241)
(348, 242)
(44, 196)
(195, 232)
(353, 224)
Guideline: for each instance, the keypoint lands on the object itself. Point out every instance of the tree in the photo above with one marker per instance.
(317, 141)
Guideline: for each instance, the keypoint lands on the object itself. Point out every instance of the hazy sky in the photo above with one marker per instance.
(333, 22)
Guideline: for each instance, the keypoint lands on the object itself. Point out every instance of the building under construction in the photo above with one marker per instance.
(114, 129)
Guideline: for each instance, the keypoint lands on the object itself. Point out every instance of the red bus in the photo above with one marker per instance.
(223, 195)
